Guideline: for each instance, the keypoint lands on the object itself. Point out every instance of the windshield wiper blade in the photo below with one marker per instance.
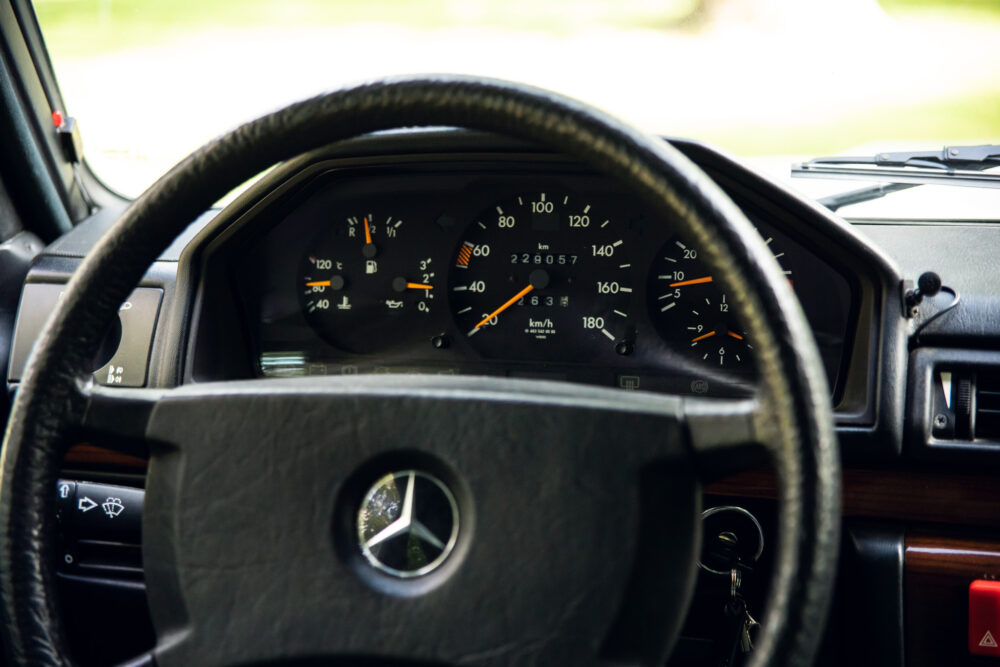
(952, 165)
(975, 158)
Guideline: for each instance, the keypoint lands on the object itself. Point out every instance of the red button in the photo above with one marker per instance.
(984, 617)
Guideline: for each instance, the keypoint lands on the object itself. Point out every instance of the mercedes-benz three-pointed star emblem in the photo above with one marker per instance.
(408, 524)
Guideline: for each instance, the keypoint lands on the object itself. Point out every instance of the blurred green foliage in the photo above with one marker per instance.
(87, 27)
(972, 118)
(972, 10)
(84, 28)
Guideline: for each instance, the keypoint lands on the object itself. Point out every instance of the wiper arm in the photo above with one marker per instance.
(834, 202)
(952, 165)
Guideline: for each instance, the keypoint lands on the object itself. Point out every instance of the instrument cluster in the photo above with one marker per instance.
(536, 272)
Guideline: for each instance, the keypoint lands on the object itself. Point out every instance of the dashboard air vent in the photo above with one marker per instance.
(987, 405)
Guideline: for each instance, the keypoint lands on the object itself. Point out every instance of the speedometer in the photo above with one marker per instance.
(543, 277)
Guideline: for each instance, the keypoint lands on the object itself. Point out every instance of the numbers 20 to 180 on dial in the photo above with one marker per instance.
(543, 276)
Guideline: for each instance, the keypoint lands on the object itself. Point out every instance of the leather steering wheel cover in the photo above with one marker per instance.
(800, 430)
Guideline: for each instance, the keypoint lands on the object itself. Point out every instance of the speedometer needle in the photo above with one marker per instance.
(537, 279)
(514, 299)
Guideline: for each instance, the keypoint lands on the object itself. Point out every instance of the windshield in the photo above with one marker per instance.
(781, 80)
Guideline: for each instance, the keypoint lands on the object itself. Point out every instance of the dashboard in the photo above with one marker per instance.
(507, 267)
(448, 252)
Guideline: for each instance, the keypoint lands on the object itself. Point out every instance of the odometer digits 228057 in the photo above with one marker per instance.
(543, 277)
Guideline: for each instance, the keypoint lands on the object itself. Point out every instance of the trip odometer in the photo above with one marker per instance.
(543, 277)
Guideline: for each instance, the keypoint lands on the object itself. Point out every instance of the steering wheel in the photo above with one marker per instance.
(514, 521)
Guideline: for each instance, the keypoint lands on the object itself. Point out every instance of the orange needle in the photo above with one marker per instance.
(368, 232)
(418, 286)
(319, 283)
(703, 336)
(735, 335)
(694, 281)
(502, 308)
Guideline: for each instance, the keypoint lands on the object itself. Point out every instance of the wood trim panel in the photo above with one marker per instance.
(937, 572)
(105, 459)
(907, 495)
(925, 496)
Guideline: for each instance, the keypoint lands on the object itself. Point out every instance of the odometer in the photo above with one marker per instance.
(543, 277)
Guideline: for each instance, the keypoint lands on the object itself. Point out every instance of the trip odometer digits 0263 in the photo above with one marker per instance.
(543, 277)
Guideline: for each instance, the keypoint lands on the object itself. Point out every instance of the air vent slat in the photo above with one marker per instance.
(987, 406)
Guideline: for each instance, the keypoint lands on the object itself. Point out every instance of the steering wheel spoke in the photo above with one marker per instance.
(728, 434)
(723, 423)
(116, 419)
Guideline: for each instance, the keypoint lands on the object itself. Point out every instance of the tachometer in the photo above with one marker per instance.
(359, 283)
(543, 277)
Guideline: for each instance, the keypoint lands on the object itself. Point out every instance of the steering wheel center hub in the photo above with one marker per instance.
(408, 524)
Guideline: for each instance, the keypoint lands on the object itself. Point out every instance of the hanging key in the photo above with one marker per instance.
(734, 622)
(746, 634)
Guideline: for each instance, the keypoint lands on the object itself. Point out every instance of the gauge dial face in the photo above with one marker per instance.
(543, 276)
(358, 280)
(692, 311)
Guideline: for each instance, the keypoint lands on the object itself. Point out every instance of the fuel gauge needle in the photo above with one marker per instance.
(369, 251)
